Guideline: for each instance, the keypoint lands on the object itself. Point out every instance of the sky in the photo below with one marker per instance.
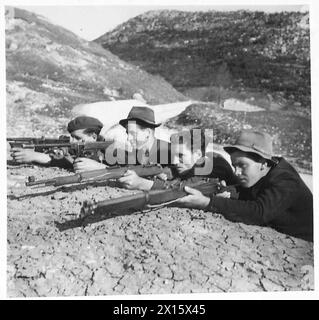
(91, 21)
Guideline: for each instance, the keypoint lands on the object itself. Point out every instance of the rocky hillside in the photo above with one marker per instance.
(241, 49)
(49, 70)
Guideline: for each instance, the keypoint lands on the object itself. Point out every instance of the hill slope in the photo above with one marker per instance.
(49, 69)
(268, 52)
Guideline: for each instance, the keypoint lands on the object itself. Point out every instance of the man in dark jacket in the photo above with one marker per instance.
(146, 149)
(271, 192)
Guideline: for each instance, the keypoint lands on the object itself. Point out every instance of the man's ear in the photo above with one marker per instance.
(149, 132)
(263, 166)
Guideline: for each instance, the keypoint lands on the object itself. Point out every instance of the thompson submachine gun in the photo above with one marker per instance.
(151, 199)
(63, 147)
(100, 175)
(32, 143)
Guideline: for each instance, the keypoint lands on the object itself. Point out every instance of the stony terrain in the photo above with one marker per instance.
(169, 250)
(269, 52)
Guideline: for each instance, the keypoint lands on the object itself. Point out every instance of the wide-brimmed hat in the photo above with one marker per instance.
(253, 142)
(141, 114)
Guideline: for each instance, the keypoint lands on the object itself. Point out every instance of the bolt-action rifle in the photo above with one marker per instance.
(151, 199)
(100, 175)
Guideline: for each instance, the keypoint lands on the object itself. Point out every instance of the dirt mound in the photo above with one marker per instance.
(170, 250)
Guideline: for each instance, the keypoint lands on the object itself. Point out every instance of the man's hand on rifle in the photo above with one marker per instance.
(28, 156)
(86, 164)
(195, 199)
(132, 181)
(225, 194)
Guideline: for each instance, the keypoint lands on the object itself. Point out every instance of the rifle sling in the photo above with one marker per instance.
(155, 206)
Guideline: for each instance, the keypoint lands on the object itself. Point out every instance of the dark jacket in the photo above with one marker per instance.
(65, 162)
(280, 200)
(159, 153)
(221, 170)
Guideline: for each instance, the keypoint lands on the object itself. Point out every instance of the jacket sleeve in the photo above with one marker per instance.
(271, 201)
(64, 163)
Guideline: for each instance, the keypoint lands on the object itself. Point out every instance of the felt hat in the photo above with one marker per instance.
(141, 114)
(250, 141)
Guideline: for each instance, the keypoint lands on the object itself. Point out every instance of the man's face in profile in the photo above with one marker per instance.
(248, 171)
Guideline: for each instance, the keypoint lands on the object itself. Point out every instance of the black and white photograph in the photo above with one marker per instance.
(158, 149)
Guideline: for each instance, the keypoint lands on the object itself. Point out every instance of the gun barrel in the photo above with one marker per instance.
(32, 182)
(41, 140)
(20, 139)
(48, 145)
(97, 145)
(96, 175)
(76, 146)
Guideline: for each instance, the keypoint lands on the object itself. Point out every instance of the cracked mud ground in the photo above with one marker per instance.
(168, 250)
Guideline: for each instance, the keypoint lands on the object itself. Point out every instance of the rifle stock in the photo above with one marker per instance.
(99, 175)
(153, 198)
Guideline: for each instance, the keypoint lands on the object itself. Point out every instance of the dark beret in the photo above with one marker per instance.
(84, 123)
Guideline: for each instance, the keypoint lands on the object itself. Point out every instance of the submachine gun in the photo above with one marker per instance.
(31, 143)
(62, 147)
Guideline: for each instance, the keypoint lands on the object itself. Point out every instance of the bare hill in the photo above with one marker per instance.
(49, 69)
(242, 49)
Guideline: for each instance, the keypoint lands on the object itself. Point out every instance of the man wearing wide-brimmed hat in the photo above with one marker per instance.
(271, 192)
(140, 128)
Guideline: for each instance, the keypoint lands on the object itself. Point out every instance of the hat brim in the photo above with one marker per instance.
(124, 122)
(230, 149)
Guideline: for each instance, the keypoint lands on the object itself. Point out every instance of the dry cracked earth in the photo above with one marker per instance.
(168, 250)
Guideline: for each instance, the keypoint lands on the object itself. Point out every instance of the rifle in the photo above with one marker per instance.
(100, 175)
(154, 199)
(30, 143)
